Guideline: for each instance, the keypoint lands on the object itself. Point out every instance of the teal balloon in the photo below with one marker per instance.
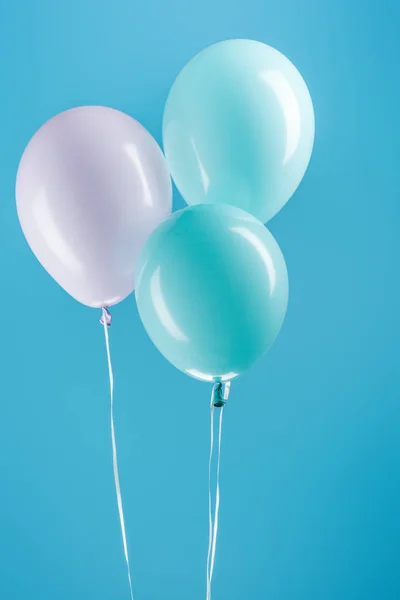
(212, 290)
(238, 128)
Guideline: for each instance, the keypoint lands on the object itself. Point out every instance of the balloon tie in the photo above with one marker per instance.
(219, 397)
(106, 321)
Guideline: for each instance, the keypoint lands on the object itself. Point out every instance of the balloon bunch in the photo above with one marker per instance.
(94, 201)
(212, 285)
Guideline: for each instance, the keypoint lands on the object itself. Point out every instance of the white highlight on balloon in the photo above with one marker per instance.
(161, 308)
(133, 153)
(228, 376)
(199, 375)
(211, 378)
(290, 106)
(204, 177)
(262, 251)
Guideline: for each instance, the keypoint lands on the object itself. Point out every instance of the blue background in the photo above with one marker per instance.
(311, 473)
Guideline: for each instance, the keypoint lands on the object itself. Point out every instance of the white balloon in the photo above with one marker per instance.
(91, 186)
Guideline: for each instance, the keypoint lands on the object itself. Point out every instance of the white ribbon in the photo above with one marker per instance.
(105, 321)
(213, 523)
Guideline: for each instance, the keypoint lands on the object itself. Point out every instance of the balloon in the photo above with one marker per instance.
(212, 290)
(91, 186)
(239, 128)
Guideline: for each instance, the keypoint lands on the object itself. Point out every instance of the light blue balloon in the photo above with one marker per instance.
(239, 128)
(212, 290)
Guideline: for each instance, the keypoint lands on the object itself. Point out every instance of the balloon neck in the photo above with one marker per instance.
(106, 318)
(221, 394)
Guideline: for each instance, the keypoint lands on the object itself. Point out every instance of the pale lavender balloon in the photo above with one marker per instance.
(91, 186)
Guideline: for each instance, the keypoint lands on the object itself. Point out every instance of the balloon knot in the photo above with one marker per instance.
(221, 394)
(106, 317)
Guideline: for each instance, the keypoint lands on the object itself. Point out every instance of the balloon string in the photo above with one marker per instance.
(210, 520)
(213, 523)
(106, 322)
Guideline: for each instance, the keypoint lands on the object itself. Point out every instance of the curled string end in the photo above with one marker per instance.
(106, 318)
(221, 394)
